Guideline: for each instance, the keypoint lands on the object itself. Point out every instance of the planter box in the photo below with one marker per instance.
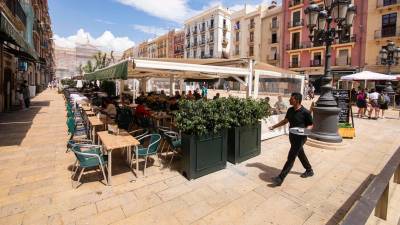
(347, 132)
(244, 143)
(204, 154)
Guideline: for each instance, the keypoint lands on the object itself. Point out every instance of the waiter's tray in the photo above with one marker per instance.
(300, 131)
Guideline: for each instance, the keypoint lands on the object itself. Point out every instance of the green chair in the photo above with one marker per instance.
(151, 149)
(174, 143)
(89, 159)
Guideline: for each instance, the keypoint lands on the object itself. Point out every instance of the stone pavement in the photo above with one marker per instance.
(36, 186)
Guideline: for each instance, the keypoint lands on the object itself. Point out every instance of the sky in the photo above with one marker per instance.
(120, 24)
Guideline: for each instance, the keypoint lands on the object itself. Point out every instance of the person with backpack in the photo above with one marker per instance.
(383, 101)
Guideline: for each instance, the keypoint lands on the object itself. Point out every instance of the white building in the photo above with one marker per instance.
(208, 35)
(65, 60)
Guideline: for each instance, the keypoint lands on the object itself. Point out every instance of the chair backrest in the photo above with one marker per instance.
(154, 142)
(71, 125)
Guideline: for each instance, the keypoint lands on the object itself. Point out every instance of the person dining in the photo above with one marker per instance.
(280, 106)
(108, 111)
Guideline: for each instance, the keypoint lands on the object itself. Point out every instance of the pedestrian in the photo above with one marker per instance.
(204, 91)
(25, 94)
(383, 102)
(353, 96)
(296, 116)
(374, 106)
(361, 103)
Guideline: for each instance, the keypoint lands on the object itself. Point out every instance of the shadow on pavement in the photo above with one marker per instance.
(355, 196)
(15, 125)
(269, 172)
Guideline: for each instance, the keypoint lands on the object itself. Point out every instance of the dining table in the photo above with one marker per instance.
(94, 125)
(122, 140)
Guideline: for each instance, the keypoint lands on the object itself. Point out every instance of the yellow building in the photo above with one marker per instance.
(271, 35)
(383, 25)
(162, 46)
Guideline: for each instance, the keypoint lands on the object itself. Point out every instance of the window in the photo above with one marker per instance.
(343, 58)
(296, 21)
(237, 36)
(202, 54)
(274, 38)
(251, 51)
(212, 23)
(211, 52)
(294, 62)
(274, 23)
(237, 25)
(237, 51)
(194, 54)
(252, 36)
(203, 27)
(224, 23)
(274, 54)
(188, 54)
(389, 25)
(203, 39)
(252, 24)
(317, 59)
(389, 2)
(296, 40)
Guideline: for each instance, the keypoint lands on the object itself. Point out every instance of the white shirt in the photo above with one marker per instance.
(374, 96)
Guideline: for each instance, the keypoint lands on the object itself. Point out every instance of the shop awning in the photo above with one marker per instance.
(10, 34)
(116, 71)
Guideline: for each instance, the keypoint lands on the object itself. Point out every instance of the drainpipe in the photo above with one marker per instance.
(1, 76)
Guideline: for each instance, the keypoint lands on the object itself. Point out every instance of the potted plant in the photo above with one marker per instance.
(346, 130)
(204, 136)
(244, 136)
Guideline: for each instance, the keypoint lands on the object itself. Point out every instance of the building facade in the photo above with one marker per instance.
(271, 35)
(26, 48)
(179, 44)
(208, 34)
(383, 25)
(162, 45)
(304, 56)
(66, 66)
(143, 50)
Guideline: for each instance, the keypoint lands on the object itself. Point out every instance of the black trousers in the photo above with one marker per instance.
(27, 102)
(296, 150)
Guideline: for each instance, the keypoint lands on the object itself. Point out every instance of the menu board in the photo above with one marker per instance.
(343, 99)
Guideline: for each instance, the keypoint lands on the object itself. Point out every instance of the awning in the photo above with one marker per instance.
(116, 71)
(10, 34)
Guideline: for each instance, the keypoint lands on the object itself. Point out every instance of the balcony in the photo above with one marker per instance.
(298, 23)
(211, 41)
(274, 25)
(16, 9)
(343, 61)
(211, 27)
(346, 39)
(195, 32)
(316, 63)
(224, 43)
(252, 26)
(294, 64)
(273, 41)
(188, 34)
(203, 29)
(202, 42)
(294, 3)
(273, 58)
(387, 32)
(295, 46)
(188, 46)
(387, 3)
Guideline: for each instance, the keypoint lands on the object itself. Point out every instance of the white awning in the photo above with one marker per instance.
(368, 75)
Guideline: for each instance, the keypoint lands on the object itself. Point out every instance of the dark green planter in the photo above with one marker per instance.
(204, 154)
(244, 143)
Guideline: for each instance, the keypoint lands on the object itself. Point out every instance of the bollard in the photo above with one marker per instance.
(382, 205)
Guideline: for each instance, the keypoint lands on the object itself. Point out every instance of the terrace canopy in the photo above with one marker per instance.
(368, 75)
(242, 70)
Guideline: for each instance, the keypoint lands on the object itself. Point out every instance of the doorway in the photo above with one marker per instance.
(7, 89)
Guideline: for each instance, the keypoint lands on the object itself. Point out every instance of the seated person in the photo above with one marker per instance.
(177, 95)
(110, 110)
(280, 106)
(141, 110)
(173, 104)
(216, 96)
(190, 96)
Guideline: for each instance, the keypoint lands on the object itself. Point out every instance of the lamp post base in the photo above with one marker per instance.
(325, 126)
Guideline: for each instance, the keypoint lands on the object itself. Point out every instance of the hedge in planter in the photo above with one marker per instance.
(204, 136)
(244, 136)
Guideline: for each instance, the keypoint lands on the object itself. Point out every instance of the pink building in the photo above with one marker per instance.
(304, 56)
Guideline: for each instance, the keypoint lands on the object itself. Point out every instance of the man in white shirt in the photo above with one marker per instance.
(373, 101)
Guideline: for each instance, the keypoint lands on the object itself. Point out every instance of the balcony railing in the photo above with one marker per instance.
(294, 64)
(315, 63)
(384, 3)
(252, 25)
(211, 27)
(295, 46)
(195, 32)
(343, 61)
(272, 58)
(203, 29)
(188, 34)
(387, 32)
(274, 25)
(16, 9)
(211, 41)
(202, 42)
(250, 40)
(295, 2)
(297, 23)
(348, 39)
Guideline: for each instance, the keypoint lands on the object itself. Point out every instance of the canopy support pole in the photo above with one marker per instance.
(256, 83)
(121, 89)
(302, 85)
(250, 79)
(239, 80)
(182, 85)
(171, 85)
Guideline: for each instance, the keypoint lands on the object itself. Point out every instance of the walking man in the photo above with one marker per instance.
(296, 116)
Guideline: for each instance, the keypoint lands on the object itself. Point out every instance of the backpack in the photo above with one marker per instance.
(381, 99)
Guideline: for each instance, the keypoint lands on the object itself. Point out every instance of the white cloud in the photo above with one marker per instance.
(150, 29)
(173, 10)
(106, 42)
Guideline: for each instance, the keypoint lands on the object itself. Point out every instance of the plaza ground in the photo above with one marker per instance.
(36, 185)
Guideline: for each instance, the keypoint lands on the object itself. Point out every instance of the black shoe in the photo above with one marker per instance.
(277, 181)
(308, 173)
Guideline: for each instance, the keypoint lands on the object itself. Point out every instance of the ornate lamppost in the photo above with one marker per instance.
(324, 31)
(389, 55)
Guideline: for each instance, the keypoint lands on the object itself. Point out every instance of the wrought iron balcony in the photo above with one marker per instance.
(315, 63)
(16, 9)
(297, 23)
(295, 46)
(387, 32)
(274, 25)
(294, 64)
(346, 39)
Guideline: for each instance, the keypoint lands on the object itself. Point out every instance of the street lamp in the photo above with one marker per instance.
(321, 18)
(390, 55)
